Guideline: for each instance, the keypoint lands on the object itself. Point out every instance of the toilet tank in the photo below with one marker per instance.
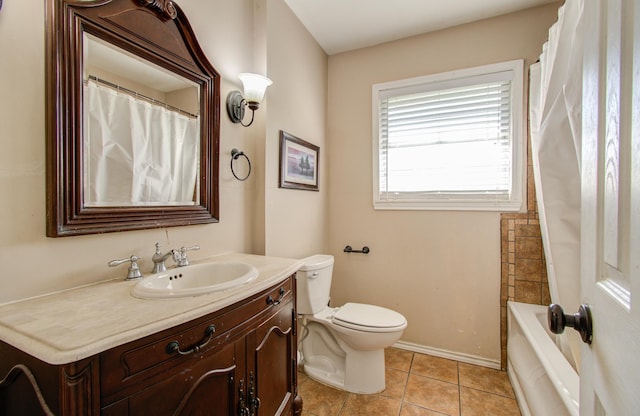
(314, 283)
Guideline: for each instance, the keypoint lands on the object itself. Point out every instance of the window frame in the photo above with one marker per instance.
(469, 201)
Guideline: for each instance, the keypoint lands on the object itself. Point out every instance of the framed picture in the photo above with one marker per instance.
(298, 163)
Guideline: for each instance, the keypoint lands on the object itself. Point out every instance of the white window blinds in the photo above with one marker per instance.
(448, 141)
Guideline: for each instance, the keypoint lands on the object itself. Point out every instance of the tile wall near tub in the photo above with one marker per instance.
(524, 269)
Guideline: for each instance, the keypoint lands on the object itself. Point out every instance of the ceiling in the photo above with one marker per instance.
(343, 25)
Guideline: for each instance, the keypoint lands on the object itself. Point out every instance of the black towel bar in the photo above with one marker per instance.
(365, 250)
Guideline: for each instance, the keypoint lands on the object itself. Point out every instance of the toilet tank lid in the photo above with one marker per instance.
(318, 261)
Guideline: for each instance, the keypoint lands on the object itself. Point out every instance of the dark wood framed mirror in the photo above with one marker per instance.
(154, 166)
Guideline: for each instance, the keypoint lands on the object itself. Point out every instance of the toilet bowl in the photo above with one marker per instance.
(342, 346)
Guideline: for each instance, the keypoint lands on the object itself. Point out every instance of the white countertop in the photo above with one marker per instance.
(68, 326)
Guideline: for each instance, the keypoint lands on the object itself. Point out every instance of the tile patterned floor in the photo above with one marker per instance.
(418, 385)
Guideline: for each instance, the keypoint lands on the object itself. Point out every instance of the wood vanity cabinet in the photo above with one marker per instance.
(240, 360)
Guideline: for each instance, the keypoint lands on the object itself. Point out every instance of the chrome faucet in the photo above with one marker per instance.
(159, 258)
(180, 256)
(134, 271)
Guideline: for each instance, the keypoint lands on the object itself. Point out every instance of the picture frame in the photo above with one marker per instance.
(299, 162)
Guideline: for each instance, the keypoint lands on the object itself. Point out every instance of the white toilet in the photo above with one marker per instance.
(344, 346)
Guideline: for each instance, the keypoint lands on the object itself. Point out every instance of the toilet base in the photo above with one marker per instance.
(359, 372)
(320, 374)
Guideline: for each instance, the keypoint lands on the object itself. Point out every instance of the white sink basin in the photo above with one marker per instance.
(194, 280)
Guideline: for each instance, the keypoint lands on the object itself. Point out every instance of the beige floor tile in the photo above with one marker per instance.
(411, 410)
(479, 403)
(321, 400)
(433, 394)
(417, 385)
(302, 376)
(398, 359)
(486, 379)
(435, 367)
(395, 383)
(370, 405)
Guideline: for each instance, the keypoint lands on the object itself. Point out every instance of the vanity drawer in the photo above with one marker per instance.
(135, 365)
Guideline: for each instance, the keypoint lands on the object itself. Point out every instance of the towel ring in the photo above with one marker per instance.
(235, 154)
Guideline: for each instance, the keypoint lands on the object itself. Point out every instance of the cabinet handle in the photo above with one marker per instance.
(254, 400)
(271, 301)
(242, 409)
(174, 346)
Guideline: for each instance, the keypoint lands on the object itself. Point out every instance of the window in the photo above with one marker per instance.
(450, 141)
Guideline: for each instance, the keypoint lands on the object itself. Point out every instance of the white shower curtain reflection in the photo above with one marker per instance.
(137, 153)
(555, 122)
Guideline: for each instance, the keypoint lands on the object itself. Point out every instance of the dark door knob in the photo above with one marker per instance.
(580, 321)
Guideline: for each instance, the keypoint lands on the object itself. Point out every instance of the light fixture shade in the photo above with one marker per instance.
(254, 86)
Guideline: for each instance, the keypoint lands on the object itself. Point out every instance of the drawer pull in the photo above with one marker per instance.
(271, 301)
(174, 346)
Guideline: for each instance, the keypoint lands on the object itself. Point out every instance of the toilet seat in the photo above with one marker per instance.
(369, 318)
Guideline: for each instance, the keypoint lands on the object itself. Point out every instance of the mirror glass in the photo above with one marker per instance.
(141, 136)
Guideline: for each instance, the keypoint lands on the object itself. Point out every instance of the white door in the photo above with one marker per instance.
(610, 374)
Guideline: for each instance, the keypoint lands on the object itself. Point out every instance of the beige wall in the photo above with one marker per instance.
(296, 220)
(440, 269)
(34, 264)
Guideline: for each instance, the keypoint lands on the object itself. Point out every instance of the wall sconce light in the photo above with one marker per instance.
(254, 86)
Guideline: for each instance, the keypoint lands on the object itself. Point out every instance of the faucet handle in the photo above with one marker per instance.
(183, 250)
(182, 259)
(134, 271)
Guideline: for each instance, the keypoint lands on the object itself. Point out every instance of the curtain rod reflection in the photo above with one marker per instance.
(141, 96)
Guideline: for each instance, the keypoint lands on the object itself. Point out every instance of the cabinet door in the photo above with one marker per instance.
(209, 385)
(271, 380)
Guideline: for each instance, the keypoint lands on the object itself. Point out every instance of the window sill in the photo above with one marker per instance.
(449, 205)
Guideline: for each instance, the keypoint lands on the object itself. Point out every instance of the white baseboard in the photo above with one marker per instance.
(465, 358)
